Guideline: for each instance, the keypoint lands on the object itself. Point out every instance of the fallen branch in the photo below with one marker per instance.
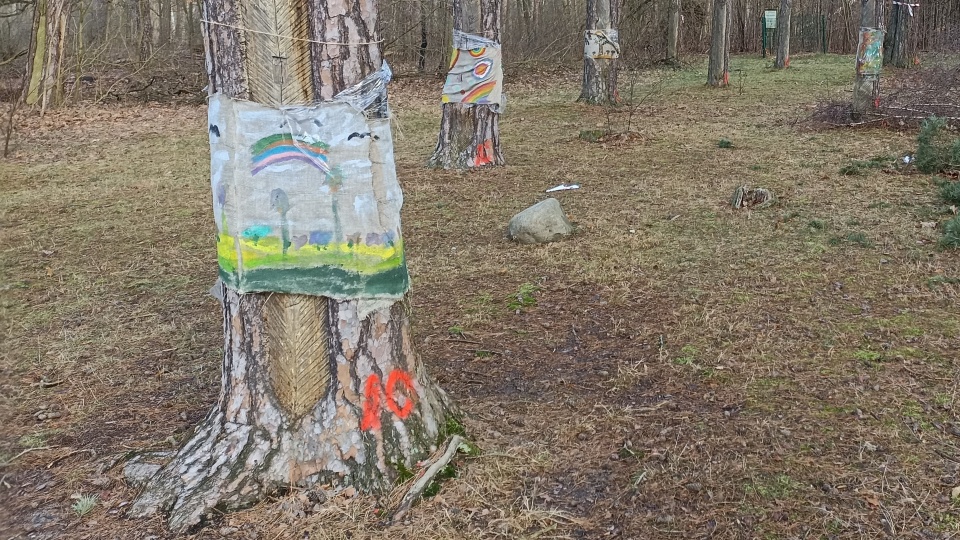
(28, 450)
(426, 478)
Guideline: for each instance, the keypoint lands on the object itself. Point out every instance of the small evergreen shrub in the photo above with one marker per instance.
(936, 152)
(951, 234)
(950, 192)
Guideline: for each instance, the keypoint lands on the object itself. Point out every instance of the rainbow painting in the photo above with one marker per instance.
(479, 93)
(283, 147)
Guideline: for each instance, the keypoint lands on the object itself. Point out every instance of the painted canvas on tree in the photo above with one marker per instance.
(601, 44)
(476, 72)
(870, 52)
(306, 200)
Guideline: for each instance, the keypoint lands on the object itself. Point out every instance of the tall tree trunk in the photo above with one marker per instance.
(783, 35)
(470, 133)
(44, 67)
(315, 391)
(866, 88)
(166, 12)
(895, 42)
(600, 53)
(718, 70)
(144, 30)
(422, 49)
(673, 32)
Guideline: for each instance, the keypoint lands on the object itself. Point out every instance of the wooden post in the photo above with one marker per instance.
(315, 391)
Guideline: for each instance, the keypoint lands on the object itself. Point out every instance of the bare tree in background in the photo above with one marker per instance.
(896, 40)
(314, 390)
(783, 35)
(601, 52)
(470, 133)
(44, 77)
(673, 32)
(718, 70)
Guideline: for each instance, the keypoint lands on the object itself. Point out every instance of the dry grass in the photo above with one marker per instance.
(687, 371)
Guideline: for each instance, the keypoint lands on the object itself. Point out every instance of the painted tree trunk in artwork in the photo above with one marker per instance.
(599, 84)
(866, 86)
(718, 69)
(783, 35)
(470, 134)
(315, 391)
(44, 69)
(896, 39)
(673, 32)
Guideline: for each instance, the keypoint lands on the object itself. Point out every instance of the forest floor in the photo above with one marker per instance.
(676, 369)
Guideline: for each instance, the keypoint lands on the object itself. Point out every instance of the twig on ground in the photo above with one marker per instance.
(93, 453)
(426, 478)
(28, 450)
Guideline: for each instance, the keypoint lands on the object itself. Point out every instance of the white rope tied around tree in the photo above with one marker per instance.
(909, 6)
(271, 34)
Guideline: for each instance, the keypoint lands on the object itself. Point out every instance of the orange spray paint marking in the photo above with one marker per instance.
(371, 405)
(400, 377)
(726, 78)
(484, 154)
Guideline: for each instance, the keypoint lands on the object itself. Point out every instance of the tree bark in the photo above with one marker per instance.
(470, 134)
(315, 391)
(599, 84)
(166, 12)
(866, 87)
(718, 70)
(44, 67)
(895, 41)
(783, 35)
(144, 30)
(673, 32)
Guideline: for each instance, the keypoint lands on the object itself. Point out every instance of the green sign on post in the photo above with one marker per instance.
(770, 19)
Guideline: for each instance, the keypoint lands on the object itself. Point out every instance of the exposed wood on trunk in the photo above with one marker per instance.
(315, 391)
(470, 134)
(599, 83)
(718, 70)
(783, 35)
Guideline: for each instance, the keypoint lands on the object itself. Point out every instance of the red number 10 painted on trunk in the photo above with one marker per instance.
(372, 405)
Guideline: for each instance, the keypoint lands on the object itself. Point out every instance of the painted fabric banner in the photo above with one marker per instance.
(601, 44)
(476, 72)
(306, 199)
(870, 52)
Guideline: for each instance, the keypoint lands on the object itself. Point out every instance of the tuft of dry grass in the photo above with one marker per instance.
(686, 370)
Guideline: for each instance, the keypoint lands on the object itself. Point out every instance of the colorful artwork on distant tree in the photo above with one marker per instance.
(306, 200)
(870, 52)
(476, 72)
(601, 44)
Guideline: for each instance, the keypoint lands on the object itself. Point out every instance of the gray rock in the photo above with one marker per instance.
(541, 223)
